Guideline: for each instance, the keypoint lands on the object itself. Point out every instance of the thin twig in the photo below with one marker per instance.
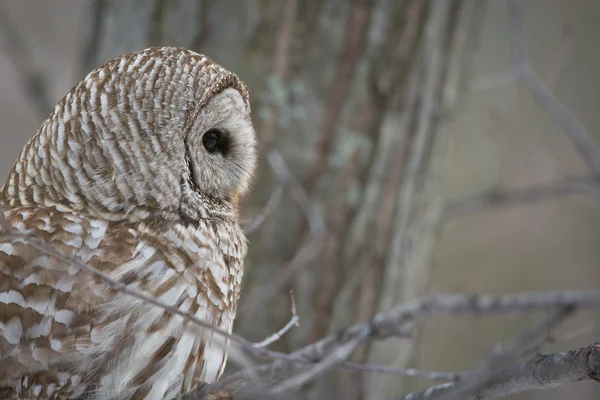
(526, 73)
(410, 372)
(521, 196)
(294, 321)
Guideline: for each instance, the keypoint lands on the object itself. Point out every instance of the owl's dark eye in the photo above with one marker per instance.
(211, 140)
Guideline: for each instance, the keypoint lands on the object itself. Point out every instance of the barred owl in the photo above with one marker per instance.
(138, 172)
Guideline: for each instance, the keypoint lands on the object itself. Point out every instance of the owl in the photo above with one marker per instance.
(137, 172)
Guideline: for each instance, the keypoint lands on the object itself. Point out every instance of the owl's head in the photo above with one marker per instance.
(162, 131)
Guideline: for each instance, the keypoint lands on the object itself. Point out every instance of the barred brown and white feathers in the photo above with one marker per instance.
(137, 172)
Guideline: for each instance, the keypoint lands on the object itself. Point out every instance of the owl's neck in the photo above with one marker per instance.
(195, 206)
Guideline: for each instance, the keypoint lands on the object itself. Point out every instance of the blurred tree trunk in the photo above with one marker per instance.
(348, 91)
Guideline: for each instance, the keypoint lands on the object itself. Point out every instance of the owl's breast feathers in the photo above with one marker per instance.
(65, 332)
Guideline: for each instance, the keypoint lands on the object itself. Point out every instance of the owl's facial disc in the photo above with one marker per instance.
(221, 147)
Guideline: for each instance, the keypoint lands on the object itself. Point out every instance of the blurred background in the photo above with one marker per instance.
(420, 162)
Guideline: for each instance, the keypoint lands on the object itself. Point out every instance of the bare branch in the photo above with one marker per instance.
(398, 321)
(528, 76)
(388, 323)
(504, 354)
(523, 196)
(31, 78)
(544, 371)
(410, 372)
(336, 357)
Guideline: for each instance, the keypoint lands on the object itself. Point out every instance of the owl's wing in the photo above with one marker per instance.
(45, 304)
